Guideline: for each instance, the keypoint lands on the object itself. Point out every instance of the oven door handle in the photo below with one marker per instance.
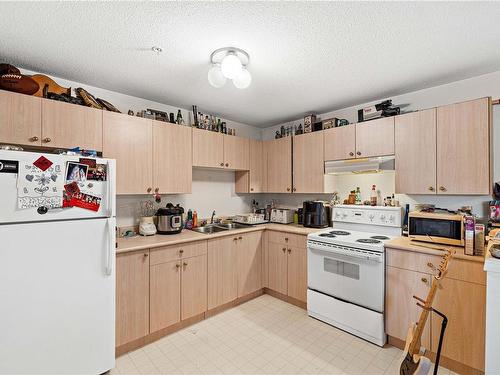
(333, 253)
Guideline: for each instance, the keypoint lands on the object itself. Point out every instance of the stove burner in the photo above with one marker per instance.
(340, 232)
(380, 237)
(330, 235)
(368, 240)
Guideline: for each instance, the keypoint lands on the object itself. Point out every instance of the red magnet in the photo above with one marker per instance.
(43, 163)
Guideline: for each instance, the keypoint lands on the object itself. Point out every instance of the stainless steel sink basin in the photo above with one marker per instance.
(209, 229)
(232, 226)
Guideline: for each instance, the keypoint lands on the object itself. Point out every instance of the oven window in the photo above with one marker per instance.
(341, 268)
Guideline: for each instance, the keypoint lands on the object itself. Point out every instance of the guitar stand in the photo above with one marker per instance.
(444, 323)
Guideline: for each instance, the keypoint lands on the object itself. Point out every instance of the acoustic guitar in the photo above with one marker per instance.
(414, 363)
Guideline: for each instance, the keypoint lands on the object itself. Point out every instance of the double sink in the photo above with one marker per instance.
(215, 228)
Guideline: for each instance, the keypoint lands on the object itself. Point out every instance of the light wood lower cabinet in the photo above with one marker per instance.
(67, 125)
(287, 265)
(464, 304)
(128, 139)
(308, 163)
(20, 119)
(400, 307)
(461, 297)
(222, 271)
(165, 294)
(132, 296)
(297, 272)
(249, 260)
(193, 286)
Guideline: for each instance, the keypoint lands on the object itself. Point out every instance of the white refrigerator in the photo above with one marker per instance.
(57, 265)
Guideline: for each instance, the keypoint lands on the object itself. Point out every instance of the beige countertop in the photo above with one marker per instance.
(404, 243)
(148, 242)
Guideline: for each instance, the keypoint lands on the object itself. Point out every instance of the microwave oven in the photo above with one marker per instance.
(441, 228)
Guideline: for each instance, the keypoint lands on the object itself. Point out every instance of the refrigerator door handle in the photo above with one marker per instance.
(111, 192)
(109, 252)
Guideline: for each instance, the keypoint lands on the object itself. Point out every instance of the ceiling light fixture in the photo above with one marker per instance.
(229, 63)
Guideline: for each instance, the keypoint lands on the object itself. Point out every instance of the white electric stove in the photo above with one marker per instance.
(346, 269)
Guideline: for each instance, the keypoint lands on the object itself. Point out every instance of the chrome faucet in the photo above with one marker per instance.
(212, 218)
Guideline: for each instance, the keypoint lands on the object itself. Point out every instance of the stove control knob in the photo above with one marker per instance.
(391, 218)
(371, 216)
(337, 215)
(382, 217)
(344, 215)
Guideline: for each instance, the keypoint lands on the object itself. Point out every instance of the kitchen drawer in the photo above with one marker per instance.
(458, 269)
(174, 252)
(287, 238)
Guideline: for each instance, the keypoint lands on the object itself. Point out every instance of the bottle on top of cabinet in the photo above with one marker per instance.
(373, 196)
(358, 196)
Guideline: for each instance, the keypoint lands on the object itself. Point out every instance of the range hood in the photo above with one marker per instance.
(358, 166)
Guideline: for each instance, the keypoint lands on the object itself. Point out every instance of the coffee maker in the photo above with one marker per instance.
(317, 214)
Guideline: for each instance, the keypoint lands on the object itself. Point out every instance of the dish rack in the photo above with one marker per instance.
(250, 219)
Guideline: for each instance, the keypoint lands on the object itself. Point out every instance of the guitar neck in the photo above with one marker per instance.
(414, 347)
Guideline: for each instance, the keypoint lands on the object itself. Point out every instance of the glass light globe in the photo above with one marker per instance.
(231, 66)
(215, 76)
(243, 80)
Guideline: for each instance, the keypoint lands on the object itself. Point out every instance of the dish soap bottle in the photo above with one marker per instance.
(373, 196)
(358, 196)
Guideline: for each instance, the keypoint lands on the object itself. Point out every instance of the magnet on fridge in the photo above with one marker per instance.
(9, 166)
(76, 172)
(43, 163)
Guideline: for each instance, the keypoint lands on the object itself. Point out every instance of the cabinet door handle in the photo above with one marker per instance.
(424, 280)
(286, 239)
(289, 251)
(47, 140)
(157, 190)
(221, 164)
(149, 189)
(227, 164)
(185, 264)
(358, 153)
(34, 139)
(287, 189)
(251, 189)
(235, 239)
(146, 255)
(431, 188)
(351, 153)
(294, 189)
(240, 238)
(430, 265)
(181, 251)
(442, 188)
(177, 265)
(284, 249)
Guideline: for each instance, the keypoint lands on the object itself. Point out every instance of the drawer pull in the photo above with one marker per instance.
(424, 280)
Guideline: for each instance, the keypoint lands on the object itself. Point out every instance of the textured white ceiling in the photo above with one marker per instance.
(305, 56)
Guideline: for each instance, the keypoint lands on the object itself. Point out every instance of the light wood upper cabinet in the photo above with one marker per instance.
(279, 165)
(464, 304)
(208, 149)
(401, 311)
(340, 143)
(165, 295)
(463, 148)
(236, 152)
(20, 119)
(249, 260)
(194, 286)
(222, 271)
(132, 296)
(277, 267)
(415, 152)
(375, 138)
(172, 158)
(297, 272)
(308, 163)
(128, 139)
(68, 125)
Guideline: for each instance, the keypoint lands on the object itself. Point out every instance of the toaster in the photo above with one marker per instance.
(282, 215)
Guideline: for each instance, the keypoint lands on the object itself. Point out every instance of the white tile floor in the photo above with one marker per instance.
(262, 336)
